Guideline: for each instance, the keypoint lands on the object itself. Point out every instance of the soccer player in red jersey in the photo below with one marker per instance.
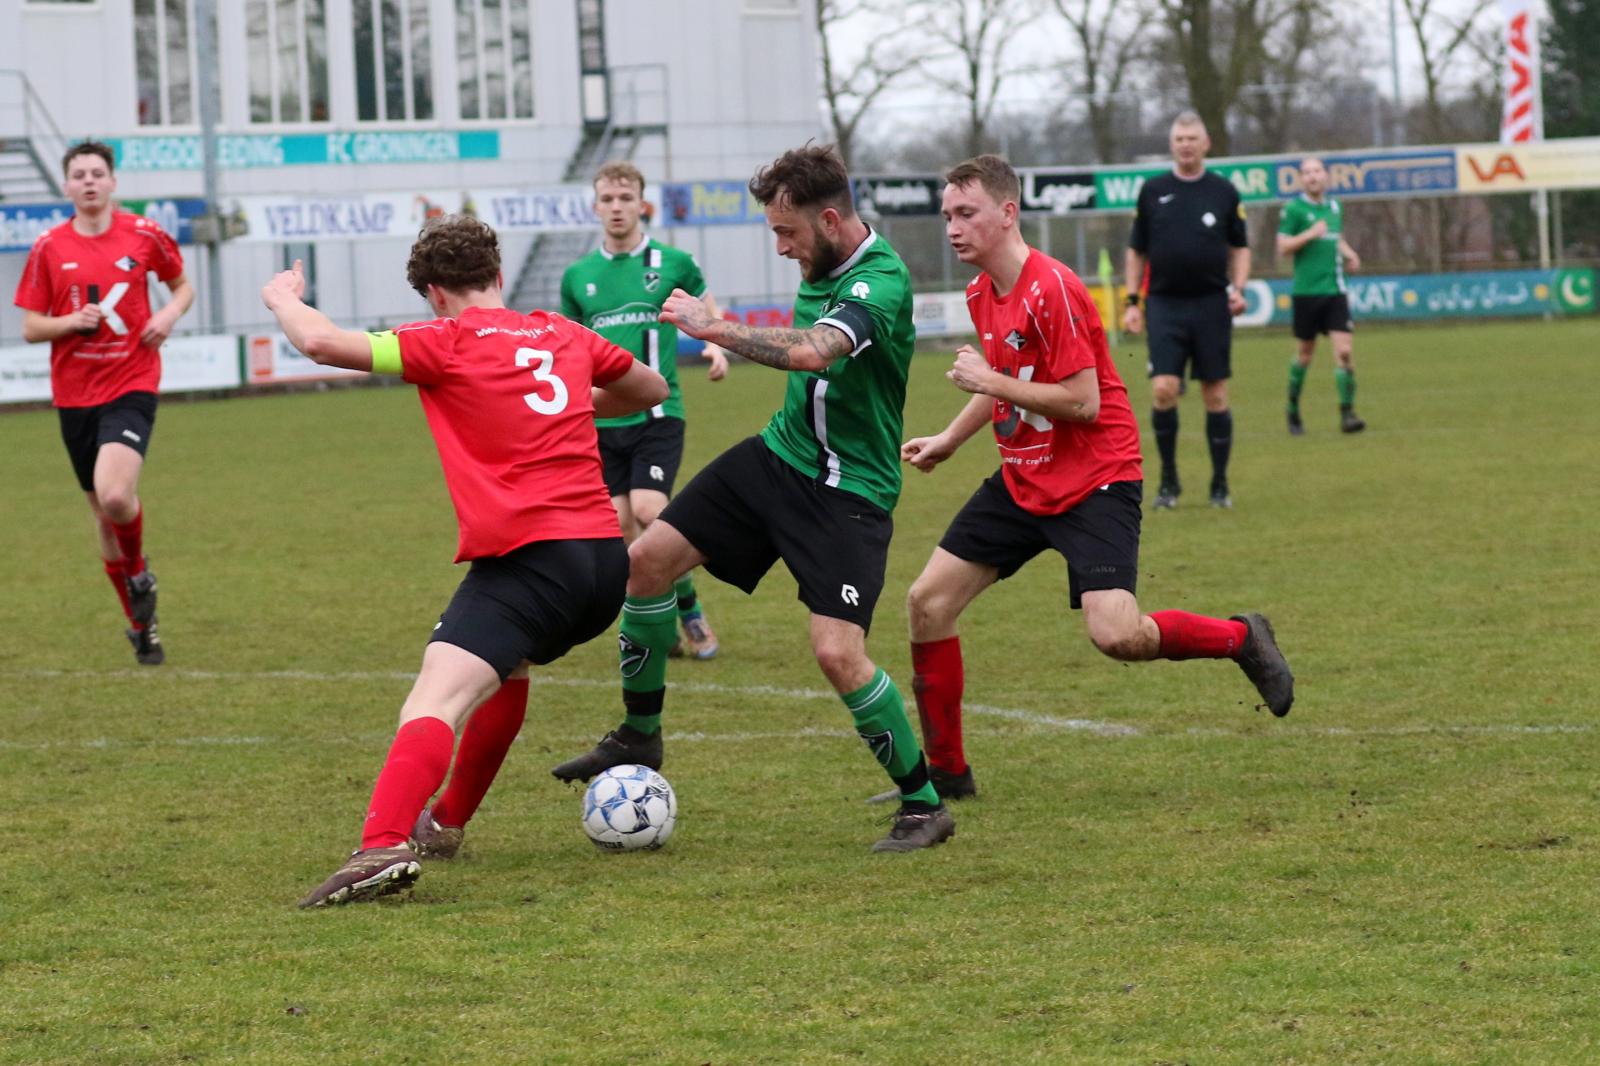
(1070, 475)
(85, 290)
(511, 400)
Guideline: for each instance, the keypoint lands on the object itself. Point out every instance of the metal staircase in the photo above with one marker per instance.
(640, 94)
(31, 145)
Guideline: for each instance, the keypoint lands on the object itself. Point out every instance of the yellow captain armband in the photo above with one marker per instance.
(385, 352)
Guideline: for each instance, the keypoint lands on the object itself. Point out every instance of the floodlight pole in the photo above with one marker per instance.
(205, 13)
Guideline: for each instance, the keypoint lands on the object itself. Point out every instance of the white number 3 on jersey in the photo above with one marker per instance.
(542, 374)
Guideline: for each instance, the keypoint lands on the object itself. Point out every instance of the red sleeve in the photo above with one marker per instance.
(34, 291)
(425, 349)
(610, 362)
(1069, 324)
(168, 259)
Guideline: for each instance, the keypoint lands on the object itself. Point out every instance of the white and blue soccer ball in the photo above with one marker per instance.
(629, 808)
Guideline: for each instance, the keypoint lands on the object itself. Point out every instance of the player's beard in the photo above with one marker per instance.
(825, 258)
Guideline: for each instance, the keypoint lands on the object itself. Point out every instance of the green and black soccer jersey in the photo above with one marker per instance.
(842, 426)
(619, 297)
(1318, 266)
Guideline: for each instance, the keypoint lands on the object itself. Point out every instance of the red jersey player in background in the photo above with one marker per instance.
(511, 400)
(85, 289)
(1070, 476)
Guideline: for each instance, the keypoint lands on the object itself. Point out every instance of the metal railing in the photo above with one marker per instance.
(26, 125)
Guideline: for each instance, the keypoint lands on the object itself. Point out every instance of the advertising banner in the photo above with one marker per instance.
(1413, 297)
(269, 359)
(401, 214)
(709, 203)
(246, 150)
(1352, 175)
(1058, 192)
(21, 224)
(1572, 163)
(188, 364)
(880, 197)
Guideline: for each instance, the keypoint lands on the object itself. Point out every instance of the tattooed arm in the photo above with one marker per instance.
(786, 349)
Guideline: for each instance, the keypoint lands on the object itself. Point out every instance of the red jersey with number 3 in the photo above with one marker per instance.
(66, 270)
(1044, 330)
(507, 398)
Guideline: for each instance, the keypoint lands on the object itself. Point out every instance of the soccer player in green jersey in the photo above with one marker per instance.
(1312, 230)
(814, 489)
(617, 290)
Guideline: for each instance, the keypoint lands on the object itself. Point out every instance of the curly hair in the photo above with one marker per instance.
(458, 253)
(992, 173)
(812, 176)
(104, 151)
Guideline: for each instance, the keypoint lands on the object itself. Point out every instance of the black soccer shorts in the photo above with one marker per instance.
(1099, 537)
(645, 456)
(1321, 314)
(1196, 331)
(129, 419)
(749, 508)
(537, 602)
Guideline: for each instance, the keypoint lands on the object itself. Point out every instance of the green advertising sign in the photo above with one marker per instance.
(1118, 190)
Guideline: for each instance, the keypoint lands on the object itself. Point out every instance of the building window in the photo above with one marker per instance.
(394, 73)
(494, 53)
(288, 45)
(164, 59)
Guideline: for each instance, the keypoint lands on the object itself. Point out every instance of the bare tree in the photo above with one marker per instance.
(849, 89)
(1442, 39)
(1108, 39)
(971, 61)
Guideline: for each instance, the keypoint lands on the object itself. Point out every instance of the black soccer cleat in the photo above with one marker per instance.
(621, 746)
(142, 594)
(1265, 665)
(1219, 495)
(1350, 422)
(1297, 428)
(147, 645)
(918, 827)
(1167, 496)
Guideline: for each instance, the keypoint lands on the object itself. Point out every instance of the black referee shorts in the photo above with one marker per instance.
(1321, 314)
(1196, 331)
(749, 508)
(537, 602)
(645, 456)
(129, 420)
(1099, 537)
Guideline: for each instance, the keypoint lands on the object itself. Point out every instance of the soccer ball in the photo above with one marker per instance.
(629, 808)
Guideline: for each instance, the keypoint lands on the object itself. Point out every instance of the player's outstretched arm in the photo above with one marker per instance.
(714, 354)
(785, 349)
(925, 453)
(311, 331)
(636, 390)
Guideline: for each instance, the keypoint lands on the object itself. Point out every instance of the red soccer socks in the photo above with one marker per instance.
(1194, 636)
(938, 681)
(484, 743)
(418, 760)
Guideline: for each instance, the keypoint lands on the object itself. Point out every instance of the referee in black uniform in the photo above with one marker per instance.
(1189, 228)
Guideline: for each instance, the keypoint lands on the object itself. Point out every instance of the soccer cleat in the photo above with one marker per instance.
(431, 840)
(1219, 495)
(676, 651)
(1167, 496)
(918, 828)
(1265, 665)
(147, 645)
(621, 746)
(698, 639)
(142, 594)
(366, 875)
(1350, 422)
(1297, 428)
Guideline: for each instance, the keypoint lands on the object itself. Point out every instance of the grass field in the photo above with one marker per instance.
(1402, 871)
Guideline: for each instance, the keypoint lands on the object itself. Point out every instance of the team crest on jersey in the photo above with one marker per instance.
(126, 263)
(1209, 219)
(1016, 339)
(652, 280)
(589, 289)
(861, 290)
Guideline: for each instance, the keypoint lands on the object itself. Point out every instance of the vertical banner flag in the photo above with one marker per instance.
(1523, 117)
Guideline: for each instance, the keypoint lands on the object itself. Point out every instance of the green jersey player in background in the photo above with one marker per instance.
(814, 489)
(1312, 230)
(617, 290)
